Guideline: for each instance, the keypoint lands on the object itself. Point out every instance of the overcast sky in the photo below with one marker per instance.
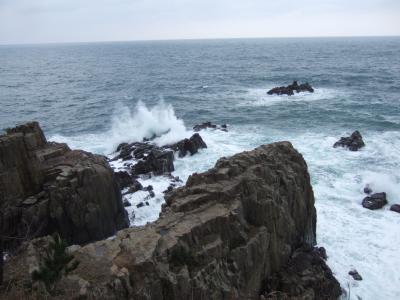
(41, 21)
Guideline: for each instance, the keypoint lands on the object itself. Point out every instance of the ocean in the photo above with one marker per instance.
(94, 96)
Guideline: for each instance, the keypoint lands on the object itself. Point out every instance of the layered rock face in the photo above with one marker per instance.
(46, 187)
(220, 237)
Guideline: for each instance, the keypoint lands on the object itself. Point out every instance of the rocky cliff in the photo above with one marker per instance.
(228, 234)
(46, 187)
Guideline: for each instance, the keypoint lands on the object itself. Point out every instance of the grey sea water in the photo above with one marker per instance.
(95, 95)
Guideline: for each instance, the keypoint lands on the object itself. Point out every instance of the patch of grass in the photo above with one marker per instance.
(56, 263)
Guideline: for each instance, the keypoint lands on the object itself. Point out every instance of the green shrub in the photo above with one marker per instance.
(55, 263)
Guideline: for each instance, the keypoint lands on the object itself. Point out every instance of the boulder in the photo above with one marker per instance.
(222, 236)
(45, 187)
(395, 208)
(353, 142)
(375, 201)
(291, 89)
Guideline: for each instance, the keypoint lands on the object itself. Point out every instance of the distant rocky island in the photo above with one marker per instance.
(291, 89)
(245, 229)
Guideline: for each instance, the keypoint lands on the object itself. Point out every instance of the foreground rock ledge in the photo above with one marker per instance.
(46, 187)
(219, 237)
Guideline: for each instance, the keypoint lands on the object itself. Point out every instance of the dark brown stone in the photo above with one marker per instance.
(46, 187)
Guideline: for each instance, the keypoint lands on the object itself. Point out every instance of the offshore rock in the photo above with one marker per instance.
(206, 125)
(375, 201)
(222, 236)
(290, 89)
(353, 142)
(45, 187)
(191, 145)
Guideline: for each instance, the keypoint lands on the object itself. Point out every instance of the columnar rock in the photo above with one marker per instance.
(46, 187)
(219, 237)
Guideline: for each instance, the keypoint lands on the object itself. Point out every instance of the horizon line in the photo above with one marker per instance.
(195, 39)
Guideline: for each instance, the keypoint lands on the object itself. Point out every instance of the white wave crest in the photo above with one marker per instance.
(132, 126)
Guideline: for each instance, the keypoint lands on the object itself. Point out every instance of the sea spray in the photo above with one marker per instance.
(129, 126)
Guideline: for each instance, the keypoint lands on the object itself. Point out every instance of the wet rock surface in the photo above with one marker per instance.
(222, 236)
(291, 89)
(395, 208)
(150, 158)
(45, 187)
(354, 142)
(375, 201)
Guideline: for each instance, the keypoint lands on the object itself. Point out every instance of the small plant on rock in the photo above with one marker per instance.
(55, 263)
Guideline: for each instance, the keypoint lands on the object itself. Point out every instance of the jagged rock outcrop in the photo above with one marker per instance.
(353, 142)
(291, 88)
(46, 187)
(151, 158)
(219, 237)
(191, 145)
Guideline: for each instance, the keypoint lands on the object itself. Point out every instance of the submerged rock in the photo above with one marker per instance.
(290, 89)
(222, 236)
(367, 189)
(46, 187)
(206, 125)
(356, 276)
(375, 201)
(354, 142)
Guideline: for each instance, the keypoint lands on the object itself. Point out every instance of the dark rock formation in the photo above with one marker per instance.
(206, 125)
(290, 89)
(219, 237)
(375, 201)
(395, 208)
(157, 160)
(45, 187)
(190, 146)
(355, 275)
(305, 276)
(353, 142)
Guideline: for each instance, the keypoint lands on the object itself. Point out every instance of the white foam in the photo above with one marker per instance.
(132, 126)
(353, 236)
